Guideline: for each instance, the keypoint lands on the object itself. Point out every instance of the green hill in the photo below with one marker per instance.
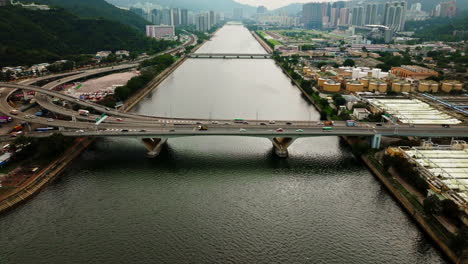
(97, 8)
(441, 28)
(28, 37)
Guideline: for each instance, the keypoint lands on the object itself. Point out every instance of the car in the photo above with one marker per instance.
(119, 119)
(279, 130)
(299, 130)
(172, 130)
(263, 124)
(215, 122)
(242, 130)
(107, 109)
(272, 122)
(199, 123)
(80, 131)
(50, 120)
(245, 123)
(288, 123)
(378, 124)
(142, 130)
(124, 130)
(227, 123)
(445, 126)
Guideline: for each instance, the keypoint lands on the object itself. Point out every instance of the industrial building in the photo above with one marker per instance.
(411, 111)
(413, 71)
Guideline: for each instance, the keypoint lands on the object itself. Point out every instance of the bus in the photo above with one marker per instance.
(327, 128)
(238, 120)
(45, 129)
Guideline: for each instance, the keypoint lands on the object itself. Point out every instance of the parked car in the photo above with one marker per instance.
(279, 130)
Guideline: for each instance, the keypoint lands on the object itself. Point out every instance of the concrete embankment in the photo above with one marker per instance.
(262, 43)
(416, 214)
(48, 174)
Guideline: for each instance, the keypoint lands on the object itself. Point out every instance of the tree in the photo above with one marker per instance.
(349, 63)
(364, 49)
(432, 205)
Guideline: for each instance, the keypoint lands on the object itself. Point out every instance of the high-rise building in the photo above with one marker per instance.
(344, 16)
(262, 10)
(357, 17)
(395, 15)
(175, 16)
(238, 13)
(155, 15)
(448, 9)
(138, 11)
(371, 14)
(159, 32)
(212, 18)
(202, 22)
(166, 17)
(184, 17)
(312, 15)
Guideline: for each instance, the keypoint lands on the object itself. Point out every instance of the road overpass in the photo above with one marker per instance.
(228, 56)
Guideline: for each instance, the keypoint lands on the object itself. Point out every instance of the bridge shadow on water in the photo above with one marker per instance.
(124, 154)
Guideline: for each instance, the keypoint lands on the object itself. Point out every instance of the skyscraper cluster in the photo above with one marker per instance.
(175, 17)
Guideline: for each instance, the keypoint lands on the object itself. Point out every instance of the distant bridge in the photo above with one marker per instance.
(228, 56)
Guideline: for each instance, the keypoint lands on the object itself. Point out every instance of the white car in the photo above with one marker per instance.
(50, 120)
(242, 130)
(272, 122)
(79, 131)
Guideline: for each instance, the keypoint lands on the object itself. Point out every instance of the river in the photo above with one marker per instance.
(217, 199)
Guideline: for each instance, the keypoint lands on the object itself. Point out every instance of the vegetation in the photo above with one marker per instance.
(149, 69)
(30, 37)
(42, 148)
(349, 63)
(388, 61)
(441, 28)
(97, 8)
(407, 171)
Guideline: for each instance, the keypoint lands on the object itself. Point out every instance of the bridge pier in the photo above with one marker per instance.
(376, 140)
(281, 146)
(154, 146)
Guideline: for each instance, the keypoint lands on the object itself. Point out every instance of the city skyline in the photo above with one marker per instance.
(274, 4)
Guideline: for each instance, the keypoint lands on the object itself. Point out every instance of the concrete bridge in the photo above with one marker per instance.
(155, 131)
(228, 56)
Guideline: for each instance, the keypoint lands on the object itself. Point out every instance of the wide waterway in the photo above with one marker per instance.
(217, 199)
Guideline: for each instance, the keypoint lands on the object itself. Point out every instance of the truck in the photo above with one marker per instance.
(350, 123)
(83, 112)
(5, 119)
(17, 128)
(328, 123)
(202, 127)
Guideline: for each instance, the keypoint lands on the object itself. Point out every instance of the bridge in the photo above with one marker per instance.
(228, 56)
(155, 131)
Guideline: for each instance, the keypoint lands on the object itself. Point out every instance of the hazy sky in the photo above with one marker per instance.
(272, 4)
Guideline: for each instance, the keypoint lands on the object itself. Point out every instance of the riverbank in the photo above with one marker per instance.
(51, 172)
(396, 193)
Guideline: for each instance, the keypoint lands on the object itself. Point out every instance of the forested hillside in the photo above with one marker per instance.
(28, 37)
(97, 8)
(441, 28)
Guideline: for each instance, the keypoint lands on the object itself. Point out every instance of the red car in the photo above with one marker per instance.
(279, 130)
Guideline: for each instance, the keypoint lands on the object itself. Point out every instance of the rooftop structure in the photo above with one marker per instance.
(445, 168)
(413, 71)
(412, 111)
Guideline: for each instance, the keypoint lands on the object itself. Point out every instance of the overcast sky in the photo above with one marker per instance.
(273, 4)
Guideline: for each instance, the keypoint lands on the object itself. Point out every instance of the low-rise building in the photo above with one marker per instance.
(103, 54)
(413, 71)
(122, 53)
(377, 85)
(451, 85)
(354, 86)
(160, 31)
(428, 86)
(360, 113)
(401, 86)
(331, 86)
